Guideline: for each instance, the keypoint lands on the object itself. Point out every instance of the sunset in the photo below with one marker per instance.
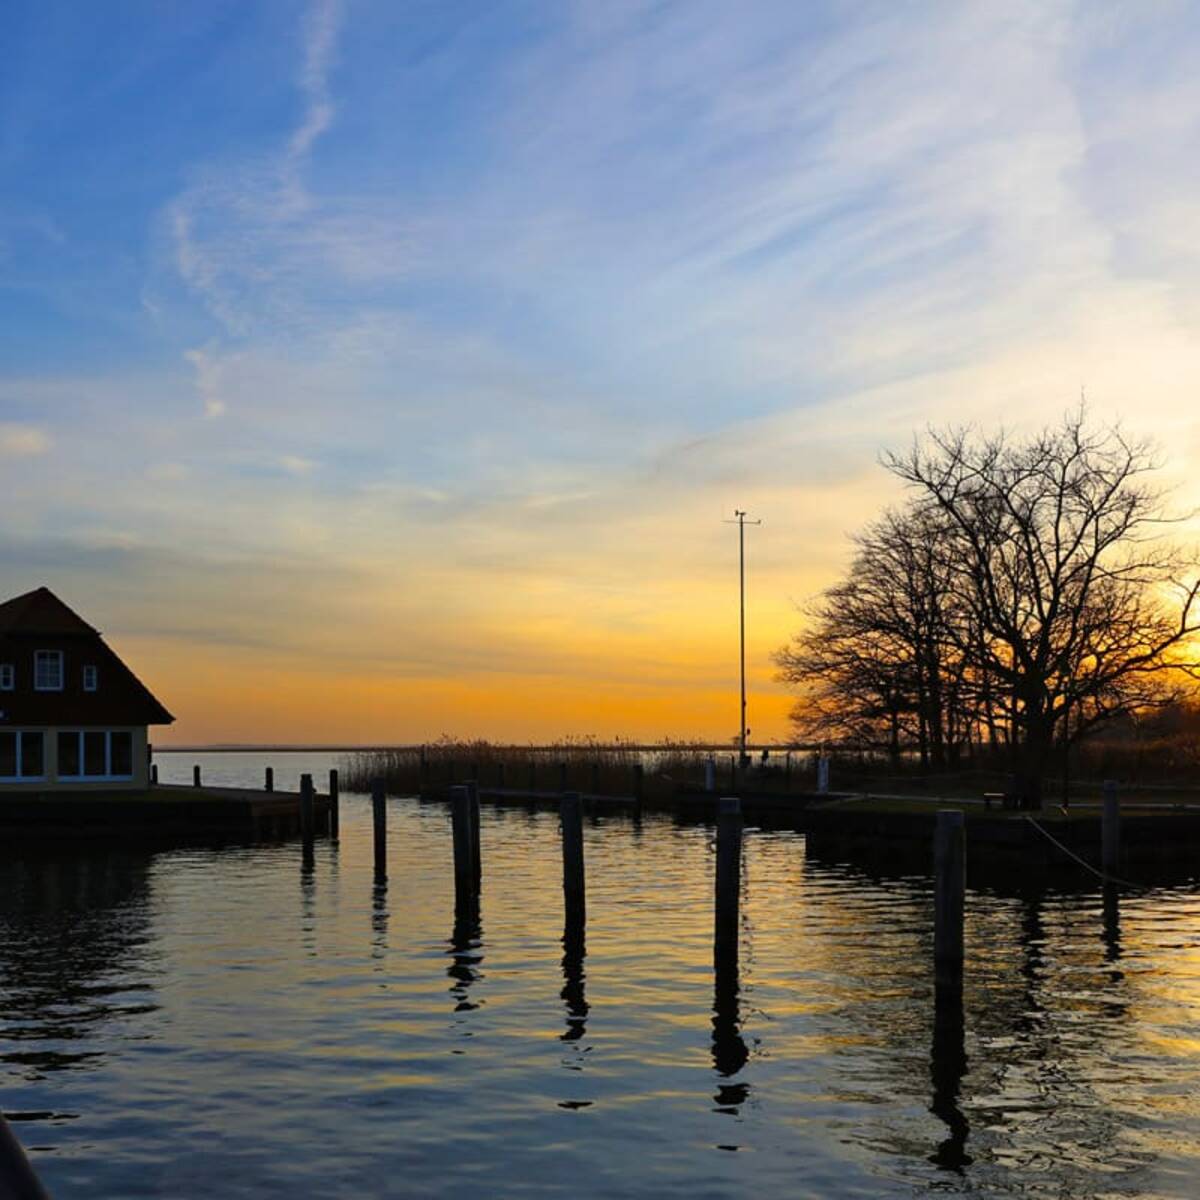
(415, 782)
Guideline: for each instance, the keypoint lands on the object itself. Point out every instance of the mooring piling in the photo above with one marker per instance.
(949, 887)
(334, 802)
(710, 774)
(728, 881)
(154, 772)
(823, 774)
(307, 806)
(1110, 828)
(379, 821)
(476, 845)
(463, 839)
(269, 780)
(196, 775)
(574, 890)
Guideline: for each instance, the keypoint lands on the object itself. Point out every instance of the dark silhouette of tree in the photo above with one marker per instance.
(1028, 592)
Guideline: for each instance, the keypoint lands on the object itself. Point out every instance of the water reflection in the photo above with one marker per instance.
(947, 1066)
(573, 992)
(466, 953)
(73, 935)
(379, 920)
(729, 1051)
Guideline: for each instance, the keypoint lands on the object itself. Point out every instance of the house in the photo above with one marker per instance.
(73, 717)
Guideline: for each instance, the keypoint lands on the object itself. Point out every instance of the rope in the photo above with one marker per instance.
(1139, 887)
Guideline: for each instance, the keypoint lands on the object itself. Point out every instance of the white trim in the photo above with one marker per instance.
(41, 687)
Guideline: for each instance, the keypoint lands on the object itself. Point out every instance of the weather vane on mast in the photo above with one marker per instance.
(739, 519)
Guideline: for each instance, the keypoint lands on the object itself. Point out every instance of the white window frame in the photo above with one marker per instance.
(8, 677)
(38, 685)
(108, 776)
(91, 678)
(19, 734)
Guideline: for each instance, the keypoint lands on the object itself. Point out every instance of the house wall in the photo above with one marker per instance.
(51, 782)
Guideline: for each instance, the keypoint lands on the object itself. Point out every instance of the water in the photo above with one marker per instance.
(204, 1023)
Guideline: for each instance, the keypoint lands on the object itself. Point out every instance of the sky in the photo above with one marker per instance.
(371, 371)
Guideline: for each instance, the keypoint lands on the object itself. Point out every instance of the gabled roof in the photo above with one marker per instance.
(41, 611)
(39, 620)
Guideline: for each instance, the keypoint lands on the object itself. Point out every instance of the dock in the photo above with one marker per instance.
(161, 813)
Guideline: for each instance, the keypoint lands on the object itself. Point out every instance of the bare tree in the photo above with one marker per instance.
(1079, 607)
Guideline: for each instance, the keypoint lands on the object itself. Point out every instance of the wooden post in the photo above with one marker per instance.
(473, 773)
(269, 783)
(823, 774)
(379, 820)
(574, 891)
(728, 881)
(732, 773)
(476, 847)
(196, 775)
(460, 824)
(562, 776)
(1110, 828)
(306, 809)
(639, 786)
(710, 774)
(949, 886)
(423, 773)
(787, 771)
(334, 803)
(154, 773)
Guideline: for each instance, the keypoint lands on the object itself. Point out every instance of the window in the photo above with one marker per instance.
(48, 670)
(21, 754)
(90, 678)
(95, 754)
(8, 677)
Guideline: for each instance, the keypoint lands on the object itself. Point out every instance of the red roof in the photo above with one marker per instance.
(39, 620)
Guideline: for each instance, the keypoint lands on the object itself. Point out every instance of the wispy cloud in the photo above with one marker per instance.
(23, 441)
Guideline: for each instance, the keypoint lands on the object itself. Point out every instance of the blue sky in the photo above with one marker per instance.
(485, 315)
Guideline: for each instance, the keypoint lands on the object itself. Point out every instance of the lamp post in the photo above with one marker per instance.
(739, 519)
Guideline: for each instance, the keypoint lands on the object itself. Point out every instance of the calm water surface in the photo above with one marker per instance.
(217, 1023)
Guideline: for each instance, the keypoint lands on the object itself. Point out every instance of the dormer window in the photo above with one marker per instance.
(90, 678)
(48, 670)
(8, 677)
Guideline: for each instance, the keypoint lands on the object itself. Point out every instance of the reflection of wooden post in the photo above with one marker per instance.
(571, 812)
(196, 775)
(269, 780)
(1110, 828)
(379, 824)
(476, 856)
(460, 825)
(728, 881)
(949, 887)
(334, 802)
(306, 809)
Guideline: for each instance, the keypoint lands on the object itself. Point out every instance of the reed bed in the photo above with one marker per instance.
(585, 764)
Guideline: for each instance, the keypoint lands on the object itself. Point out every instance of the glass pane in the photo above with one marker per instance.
(122, 753)
(68, 753)
(93, 754)
(32, 758)
(8, 754)
(47, 670)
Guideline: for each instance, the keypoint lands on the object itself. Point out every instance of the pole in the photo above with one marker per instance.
(460, 826)
(1110, 828)
(728, 881)
(379, 823)
(742, 629)
(269, 780)
(571, 814)
(306, 811)
(334, 802)
(196, 775)
(476, 856)
(949, 885)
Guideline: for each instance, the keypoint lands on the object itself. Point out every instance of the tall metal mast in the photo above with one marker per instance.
(741, 522)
